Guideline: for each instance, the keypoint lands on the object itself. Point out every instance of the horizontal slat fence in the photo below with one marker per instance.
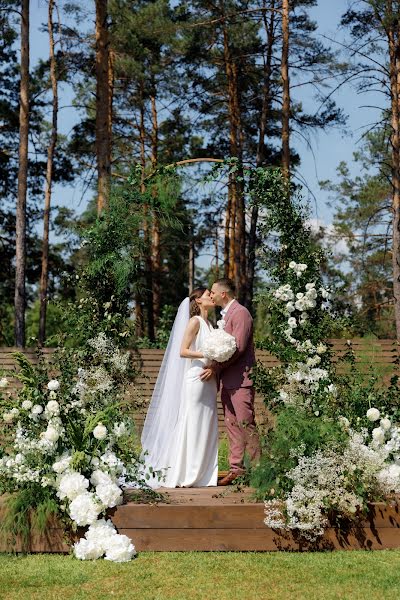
(383, 355)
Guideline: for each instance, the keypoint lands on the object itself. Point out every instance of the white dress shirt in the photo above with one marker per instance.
(227, 307)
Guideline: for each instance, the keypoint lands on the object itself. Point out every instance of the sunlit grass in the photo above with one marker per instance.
(215, 575)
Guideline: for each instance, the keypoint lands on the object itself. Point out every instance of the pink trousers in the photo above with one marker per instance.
(238, 405)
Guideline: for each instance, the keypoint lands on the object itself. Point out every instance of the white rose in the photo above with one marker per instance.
(100, 432)
(385, 424)
(373, 414)
(53, 407)
(27, 405)
(310, 286)
(345, 422)
(53, 394)
(292, 265)
(37, 409)
(53, 385)
(14, 412)
(378, 435)
(3, 382)
(292, 322)
(321, 349)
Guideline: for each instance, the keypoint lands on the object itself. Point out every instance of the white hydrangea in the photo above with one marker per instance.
(3, 382)
(120, 430)
(101, 477)
(87, 550)
(120, 549)
(110, 494)
(84, 509)
(378, 435)
(219, 346)
(386, 424)
(62, 464)
(71, 485)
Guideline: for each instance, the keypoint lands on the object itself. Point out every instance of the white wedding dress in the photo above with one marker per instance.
(180, 433)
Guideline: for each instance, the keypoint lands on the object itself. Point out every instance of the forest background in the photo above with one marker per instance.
(269, 83)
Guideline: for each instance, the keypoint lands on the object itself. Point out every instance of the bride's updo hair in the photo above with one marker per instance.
(194, 308)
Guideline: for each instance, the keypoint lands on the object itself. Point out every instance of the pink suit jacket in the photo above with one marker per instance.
(236, 372)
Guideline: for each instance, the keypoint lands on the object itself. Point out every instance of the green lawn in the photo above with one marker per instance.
(212, 576)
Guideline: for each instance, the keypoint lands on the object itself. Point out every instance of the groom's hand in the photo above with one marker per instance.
(206, 374)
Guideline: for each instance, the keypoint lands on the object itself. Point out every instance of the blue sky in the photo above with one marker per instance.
(327, 149)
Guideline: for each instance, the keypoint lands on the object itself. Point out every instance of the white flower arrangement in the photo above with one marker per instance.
(86, 481)
(219, 346)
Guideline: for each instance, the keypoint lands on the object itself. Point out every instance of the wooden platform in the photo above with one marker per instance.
(224, 519)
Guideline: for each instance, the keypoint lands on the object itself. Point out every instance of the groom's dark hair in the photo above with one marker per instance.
(227, 284)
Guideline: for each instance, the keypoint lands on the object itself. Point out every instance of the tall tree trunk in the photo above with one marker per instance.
(191, 260)
(394, 54)
(285, 90)
(139, 316)
(103, 106)
(269, 27)
(20, 255)
(49, 178)
(237, 221)
(155, 233)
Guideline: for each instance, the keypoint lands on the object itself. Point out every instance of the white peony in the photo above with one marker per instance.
(53, 407)
(51, 434)
(84, 510)
(373, 414)
(110, 494)
(27, 405)
(53, 385)
(100, 431)
(87, 550)
(72, 485)
(386, 424)
(378, 435)
(120, 549)
(219, 346)
(3, 382)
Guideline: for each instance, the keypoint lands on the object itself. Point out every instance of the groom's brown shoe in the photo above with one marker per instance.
(228, 479)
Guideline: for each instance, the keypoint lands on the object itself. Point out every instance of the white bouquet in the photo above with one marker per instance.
(219, 346)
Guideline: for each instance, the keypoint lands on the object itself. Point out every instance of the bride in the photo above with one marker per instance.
(180, 433)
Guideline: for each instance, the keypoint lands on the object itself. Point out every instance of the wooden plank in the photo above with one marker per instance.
(228, 516)
(256, 540)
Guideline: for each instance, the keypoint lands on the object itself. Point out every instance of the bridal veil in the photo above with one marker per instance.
(158, 436)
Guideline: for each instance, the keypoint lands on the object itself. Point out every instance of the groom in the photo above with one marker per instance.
(237, 394)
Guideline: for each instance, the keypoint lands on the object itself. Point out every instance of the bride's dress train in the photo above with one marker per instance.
(180, 434)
